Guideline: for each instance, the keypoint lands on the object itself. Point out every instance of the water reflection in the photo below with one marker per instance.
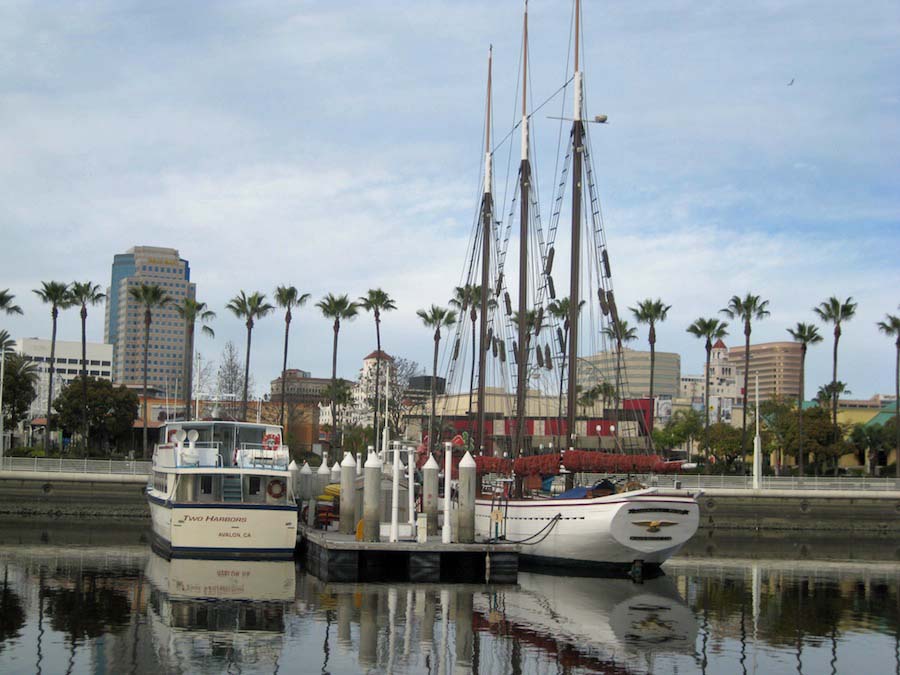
(124, 609)
(227, 611)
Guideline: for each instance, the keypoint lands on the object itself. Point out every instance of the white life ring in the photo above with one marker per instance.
(276, 489)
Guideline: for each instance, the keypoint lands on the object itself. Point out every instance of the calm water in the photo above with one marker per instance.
(94, 598)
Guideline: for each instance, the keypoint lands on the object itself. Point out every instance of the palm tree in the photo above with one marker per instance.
(7, 307)
(56, 294)
(191, 310)
(746, 309)
(287, 297)
(559, 310)
(250, 308)
(806, 334)
(709, 330)
(834, 311)
(85, 293)
(339, 308)
(891, 327)
(150, 296)
(651, 312)
(6, 303)
(437, 318)
(622, 333)
(377, 301)
(469, 297)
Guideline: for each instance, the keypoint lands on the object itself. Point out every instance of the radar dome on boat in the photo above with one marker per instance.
(193, 435)
(180, 435)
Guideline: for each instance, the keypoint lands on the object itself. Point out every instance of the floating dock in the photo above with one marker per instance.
(336, 557)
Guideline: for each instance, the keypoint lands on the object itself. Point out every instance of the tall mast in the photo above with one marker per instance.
(524, 185)
(487, 219)
(574, 291)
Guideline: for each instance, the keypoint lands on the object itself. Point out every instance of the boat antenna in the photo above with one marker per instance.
(524, 329)
(487, 219)
(574, 291)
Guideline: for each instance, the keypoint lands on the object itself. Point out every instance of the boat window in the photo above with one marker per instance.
(255, 485)
(250, 435)
(206, 485)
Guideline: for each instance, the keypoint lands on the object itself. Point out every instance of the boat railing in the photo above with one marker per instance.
(259, 456)
(198, 455)
(707, 481)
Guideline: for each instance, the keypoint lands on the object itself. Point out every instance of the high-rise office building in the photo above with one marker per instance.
(778, 367)
(124, 328)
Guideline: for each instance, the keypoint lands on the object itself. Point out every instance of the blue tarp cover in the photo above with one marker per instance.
(574, 493)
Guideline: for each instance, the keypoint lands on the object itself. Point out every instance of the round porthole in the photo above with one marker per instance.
(47, 488)
(710, 504)
(804, 506)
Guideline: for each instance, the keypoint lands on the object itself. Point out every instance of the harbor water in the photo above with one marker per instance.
(94, 598)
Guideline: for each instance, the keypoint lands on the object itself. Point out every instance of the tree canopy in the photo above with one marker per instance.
(111, 411)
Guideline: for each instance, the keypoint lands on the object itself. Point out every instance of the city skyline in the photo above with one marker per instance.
(234, 134)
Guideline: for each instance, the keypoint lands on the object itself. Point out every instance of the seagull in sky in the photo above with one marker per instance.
(791, 83)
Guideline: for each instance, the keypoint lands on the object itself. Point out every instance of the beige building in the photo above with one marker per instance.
(124, 328)
(776, 363)
(66, 367)
(636, 372)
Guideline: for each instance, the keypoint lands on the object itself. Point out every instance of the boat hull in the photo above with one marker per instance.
(223, 530)
(606, 533)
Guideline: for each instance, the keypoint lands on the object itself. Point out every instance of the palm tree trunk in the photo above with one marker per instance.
(437, 340)
(897, 411)
(746, 387)
(377, 375)
(652, 368)
(834, 394)
(800, 411)
(706, 401)
(472, 373)
(54, 313)
(287, 328)
(147, 319)
(334, 425)
(84, 399)
(247, 371)
(189, 371)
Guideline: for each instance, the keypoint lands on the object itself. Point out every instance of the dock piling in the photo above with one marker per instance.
(430, 493)
(446, 537)
(371, 499)
(466, 528)
(348, 494)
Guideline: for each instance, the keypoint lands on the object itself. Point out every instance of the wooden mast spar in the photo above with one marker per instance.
(487, 220)
(574, 291)
(524, 327)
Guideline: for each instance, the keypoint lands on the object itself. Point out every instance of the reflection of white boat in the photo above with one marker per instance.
(222, 579)
(226, 492)
(615, 530)
(598, 617)
(202, 608)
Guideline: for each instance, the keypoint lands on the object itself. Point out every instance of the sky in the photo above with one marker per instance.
(337, 147)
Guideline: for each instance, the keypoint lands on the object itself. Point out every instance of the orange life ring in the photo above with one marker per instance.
(271, 441)
(276, 489)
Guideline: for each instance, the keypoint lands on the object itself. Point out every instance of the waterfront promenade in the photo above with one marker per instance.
(31, 487)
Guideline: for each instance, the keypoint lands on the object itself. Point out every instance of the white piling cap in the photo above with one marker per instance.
(348, 460)
(431, 463)
(323, 467)
(373, 461)
(293, 466)
(467, 462)
(305, 469)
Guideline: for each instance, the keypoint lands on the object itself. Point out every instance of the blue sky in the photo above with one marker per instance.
(336, 146)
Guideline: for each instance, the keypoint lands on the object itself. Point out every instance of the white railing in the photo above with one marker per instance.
(59, 465)
(690, 481)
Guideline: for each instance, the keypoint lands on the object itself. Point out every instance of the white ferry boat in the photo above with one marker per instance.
(222, 490)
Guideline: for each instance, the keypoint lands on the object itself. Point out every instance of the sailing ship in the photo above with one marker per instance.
(222, 490)
(611, 525)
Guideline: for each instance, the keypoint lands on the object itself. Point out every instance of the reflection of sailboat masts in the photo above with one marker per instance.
(487, 219)
(574, 290)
